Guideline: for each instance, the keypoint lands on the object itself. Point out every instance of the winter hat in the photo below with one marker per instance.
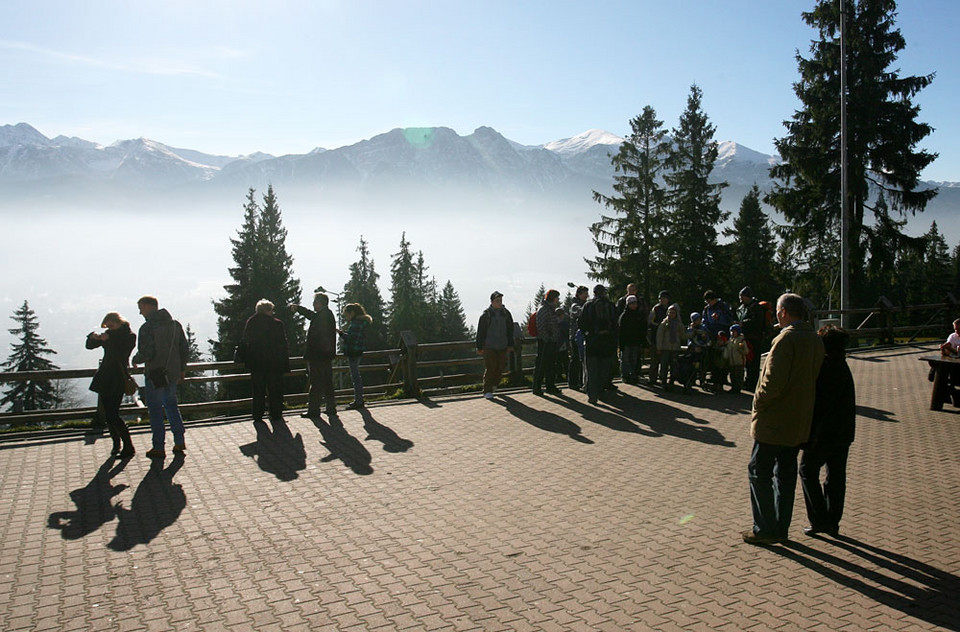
(495, 296)
(736, 328)
(746, 291)
(664, 294)
(631, 299)
(695, 316)
(599, 290)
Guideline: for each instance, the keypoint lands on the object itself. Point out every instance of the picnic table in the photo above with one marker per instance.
(944, 389)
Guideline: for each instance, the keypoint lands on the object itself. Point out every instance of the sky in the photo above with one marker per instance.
(233, 77)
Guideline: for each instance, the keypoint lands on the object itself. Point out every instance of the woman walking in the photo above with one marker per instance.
(353, 346)
(117, 342)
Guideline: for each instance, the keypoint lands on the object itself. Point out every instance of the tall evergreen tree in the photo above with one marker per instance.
(453, 321)
(273, 278)
(695, 215)
(405, 298)
(752, 251)
(362, 288)
(628, 239)
(29, 354)
(883, 132)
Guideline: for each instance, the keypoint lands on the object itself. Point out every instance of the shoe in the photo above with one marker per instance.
(127, 453)
(154, 453)
(554, 391)
(813, 532)
(115, 451)
(488, 395)
(761, 540)
(355, 406)
(180, 447)
(332, 412)
(592, 401)
(538, 392)
(309, 415)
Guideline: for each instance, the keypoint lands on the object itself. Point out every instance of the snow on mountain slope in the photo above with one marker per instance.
(583, 142)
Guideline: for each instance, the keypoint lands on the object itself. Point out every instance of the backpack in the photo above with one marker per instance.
(768, 319)
(532, 325)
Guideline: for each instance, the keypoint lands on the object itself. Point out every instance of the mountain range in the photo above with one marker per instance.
(43, 172)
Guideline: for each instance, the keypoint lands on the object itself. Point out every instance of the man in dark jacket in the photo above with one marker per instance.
(577, 361)
(320, 351)
(752, 318)
(267, 357)
(834, 425)
(548, 338)
(494, 342)
(656, 316)
(599, 325)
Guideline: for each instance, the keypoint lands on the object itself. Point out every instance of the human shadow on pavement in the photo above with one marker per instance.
(343, 446)
(94, 504)
(376, 431)
(550, 422)
(156, 505)
(277, 452)
(876, 413)
(661, 419)
(908, 585)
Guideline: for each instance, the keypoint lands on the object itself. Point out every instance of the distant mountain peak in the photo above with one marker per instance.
(583, 142)
(21, 134)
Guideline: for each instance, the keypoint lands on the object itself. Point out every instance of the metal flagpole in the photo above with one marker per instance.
(844, 201)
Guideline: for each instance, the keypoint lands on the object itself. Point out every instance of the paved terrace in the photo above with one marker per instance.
(521, 513)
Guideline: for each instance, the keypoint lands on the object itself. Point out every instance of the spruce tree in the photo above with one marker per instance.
(693, 252)
(29, 354)
(453, 322)
(273, 278)
(362, 288)
(883, 132)
(405, 299)
(752, 251)
(628, 239)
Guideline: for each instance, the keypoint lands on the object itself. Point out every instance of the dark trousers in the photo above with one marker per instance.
(321, 386)
(824, 502)
(598, 374)
(110, 404)
(773, 483)
(495, 362)
(264, 383)
(545, 370)
(753, 366)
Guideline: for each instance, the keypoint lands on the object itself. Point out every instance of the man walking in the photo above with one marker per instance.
(782, 415)
(319, 353)
(494, 342)
(162, 349)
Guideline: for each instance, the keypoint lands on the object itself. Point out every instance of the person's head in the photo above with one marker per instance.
(664, 297)
(695, 319)
(552, 296)
(790, 308)
(631, 289)
(746, 295)
(673, 311)
(496, 300)
(147, 305)
(735, 330)
(353, 310)
(113, 320)
(710, 298)
(835, 339)
(320, 301)
(632, 303)
(264, 307)
(583, 292)
(599, 291)
(956, 325)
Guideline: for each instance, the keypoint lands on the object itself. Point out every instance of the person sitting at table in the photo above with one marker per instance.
(951, 348)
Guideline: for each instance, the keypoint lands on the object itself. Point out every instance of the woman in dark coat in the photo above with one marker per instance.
(117, 342)
(267, 357)
(353, 346)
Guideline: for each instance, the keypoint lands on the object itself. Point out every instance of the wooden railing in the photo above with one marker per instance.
(887, 322)
(411, 370)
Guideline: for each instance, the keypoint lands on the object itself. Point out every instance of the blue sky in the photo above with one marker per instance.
(233, 77)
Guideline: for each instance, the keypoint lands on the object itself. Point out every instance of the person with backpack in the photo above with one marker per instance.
(751, 318)
(598, 322)
(575, 375)
(494, 342)
(548, 338)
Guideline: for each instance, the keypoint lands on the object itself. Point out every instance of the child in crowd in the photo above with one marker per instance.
(735, 357)
(698, 346)
(669, 338)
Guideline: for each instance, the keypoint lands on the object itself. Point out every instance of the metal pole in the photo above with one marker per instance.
(844, 197)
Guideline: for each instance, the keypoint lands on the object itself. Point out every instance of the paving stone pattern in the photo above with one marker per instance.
(520, 513)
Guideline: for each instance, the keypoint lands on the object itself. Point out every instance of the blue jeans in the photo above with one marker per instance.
(160, 400)
(357, 380)
(629, 361)
(773, 483)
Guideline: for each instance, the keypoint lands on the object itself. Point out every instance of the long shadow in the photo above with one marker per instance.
(730, 403)
(876, 413)
(94, 504)
(343, 446)
(376, 431)
(277, 452)
(933, 601)
(550, 422)
(602, 417)
(156, 505)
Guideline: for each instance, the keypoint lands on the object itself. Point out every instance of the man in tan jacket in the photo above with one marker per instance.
(782, 414)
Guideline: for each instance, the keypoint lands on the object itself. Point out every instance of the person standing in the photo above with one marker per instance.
(670, 335)
(598, 321)
(751, 318)
(633, 331)
(267, 357)
(494, 342)
(548, 336)
(162, 349)
(783, 406)
(834, 425)
(319, 353)
(353, 347)
(657, 314)
(109, 381)
(577, 365)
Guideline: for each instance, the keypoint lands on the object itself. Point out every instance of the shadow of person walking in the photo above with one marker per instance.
(343, 446)
(551, 422)
(392, 442)
(94, 504)
(277, 452)
(156, 505)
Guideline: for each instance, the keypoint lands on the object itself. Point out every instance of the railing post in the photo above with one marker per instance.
(516, 357)
(408, 351)
(886, 320)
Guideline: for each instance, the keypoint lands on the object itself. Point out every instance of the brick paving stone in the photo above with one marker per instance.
(494, 519)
